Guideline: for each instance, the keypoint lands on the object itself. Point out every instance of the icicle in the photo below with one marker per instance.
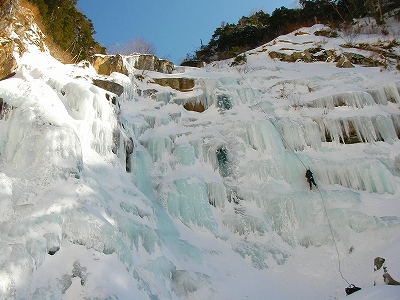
(351, 99)
(367, 129)
(384, 128)
(159, 147)
(361, 174)
(185, 154)
(379, 96)
(216, 194)
(200, 150)
(392, 92)
(300, 135)
(128, 84)
(187, 200)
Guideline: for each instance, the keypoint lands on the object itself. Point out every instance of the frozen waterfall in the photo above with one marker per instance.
(210, 204)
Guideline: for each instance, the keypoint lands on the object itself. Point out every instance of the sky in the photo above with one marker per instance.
(175, 28)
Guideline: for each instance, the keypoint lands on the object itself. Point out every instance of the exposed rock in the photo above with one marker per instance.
(389, 280)
(327, 33)
(180, 84)
(5, 110)
(8, 9)
(359, 59)
(110, 86)
(113, 99)
(345, 60)
(107, 64)
(380, 268)
(196, 63)
(149, 93)
(153, 63)
(344, 63)
(378, 263)
(7, 60)
(293, 57)
(198, 107)
(8, 64)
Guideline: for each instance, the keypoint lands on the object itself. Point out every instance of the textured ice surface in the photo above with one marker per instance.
(216, 204)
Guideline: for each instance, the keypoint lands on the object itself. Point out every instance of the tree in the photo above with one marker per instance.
(138, 45)
(69, 28)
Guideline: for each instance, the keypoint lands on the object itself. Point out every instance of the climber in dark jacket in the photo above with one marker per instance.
(310, 178)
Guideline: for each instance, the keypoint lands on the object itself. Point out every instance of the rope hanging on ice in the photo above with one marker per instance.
(351, 288)
(269, 119)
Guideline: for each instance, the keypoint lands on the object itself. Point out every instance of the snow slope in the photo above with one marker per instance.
(215, 204)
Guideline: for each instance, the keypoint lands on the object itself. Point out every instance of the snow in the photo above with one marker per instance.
(214, 205)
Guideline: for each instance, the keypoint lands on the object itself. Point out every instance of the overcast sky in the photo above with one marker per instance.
(174, 27)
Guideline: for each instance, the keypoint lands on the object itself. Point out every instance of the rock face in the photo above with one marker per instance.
(17, 29)
(153, 63)
(110, 86)
(7, 60)
(198, 107)
(106, 64)
(8, 10)
(179, 84)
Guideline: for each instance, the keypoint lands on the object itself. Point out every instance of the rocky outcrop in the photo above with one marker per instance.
(153, 63)
(107, 64)
(198, 107)
(17, 29)
(8, 10)
(7, 60)
(344, 60)
(179, 84)
(359, 59)
(108, 85)
(308, 55)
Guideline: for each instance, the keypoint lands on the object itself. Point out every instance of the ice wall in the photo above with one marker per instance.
(73, 206)
(38, 143)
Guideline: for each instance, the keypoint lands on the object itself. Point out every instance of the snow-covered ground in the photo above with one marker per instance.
(215, 204)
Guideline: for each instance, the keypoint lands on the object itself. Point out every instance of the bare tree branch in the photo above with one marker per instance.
(138, 45)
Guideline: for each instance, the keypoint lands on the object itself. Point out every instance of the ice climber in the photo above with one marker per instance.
(310, 178)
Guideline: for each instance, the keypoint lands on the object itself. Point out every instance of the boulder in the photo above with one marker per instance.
(389, 280)
(198, 107)
(110, 86)
(107, 64)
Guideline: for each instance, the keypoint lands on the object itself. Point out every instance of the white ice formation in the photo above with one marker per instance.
(210, 205)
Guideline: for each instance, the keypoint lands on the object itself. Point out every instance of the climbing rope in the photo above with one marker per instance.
(269, 119)
(320, 194)
(333, 237)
